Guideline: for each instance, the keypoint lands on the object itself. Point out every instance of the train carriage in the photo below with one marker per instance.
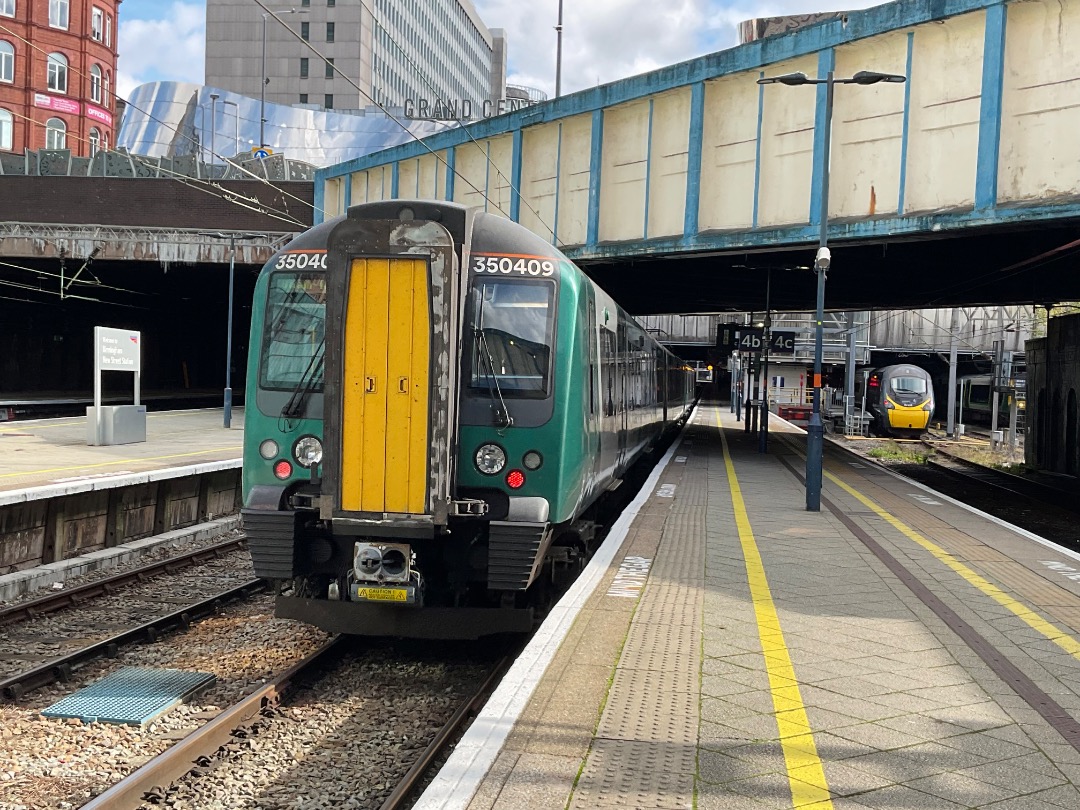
(439, 402)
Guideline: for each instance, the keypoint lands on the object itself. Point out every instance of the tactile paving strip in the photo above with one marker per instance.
(131, 696)
(629, 773)
(668, 714)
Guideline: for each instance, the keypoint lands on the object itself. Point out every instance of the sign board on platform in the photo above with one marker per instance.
(116, 350)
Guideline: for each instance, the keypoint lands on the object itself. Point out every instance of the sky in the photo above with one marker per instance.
(603, 40)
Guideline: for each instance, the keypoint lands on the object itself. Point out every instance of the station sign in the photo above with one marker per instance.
(738, 338)
(116, 349)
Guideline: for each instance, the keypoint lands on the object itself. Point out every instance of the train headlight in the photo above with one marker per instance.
(307, 451)
(927, 406)
(268, 449)
(532, 460)
(490, 459)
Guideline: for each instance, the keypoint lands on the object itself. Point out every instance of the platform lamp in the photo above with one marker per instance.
(232, 237)
(265, 81)
(815, 431)
(213, 129)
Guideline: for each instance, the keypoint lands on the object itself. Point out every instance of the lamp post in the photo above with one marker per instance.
(766, 338)
(236, 127)
(232, 237)
(213, 128)
(558, 53)
(815, 431)
(265, 81)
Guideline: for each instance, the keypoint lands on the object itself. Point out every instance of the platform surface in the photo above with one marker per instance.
(742, 652)
(53, 451)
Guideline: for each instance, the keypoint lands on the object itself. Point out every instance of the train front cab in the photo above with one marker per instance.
(904, 399)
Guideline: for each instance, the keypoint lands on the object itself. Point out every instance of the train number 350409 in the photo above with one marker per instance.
(508, 264)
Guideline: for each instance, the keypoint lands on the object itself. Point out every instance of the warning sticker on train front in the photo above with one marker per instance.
(383, 594)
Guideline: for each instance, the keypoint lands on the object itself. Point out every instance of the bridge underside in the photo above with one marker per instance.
(1011, 264)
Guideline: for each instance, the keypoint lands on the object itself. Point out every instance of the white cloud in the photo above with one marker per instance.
(171, 48)
(606, 40)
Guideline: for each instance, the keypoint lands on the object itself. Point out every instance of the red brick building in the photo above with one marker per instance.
(58, 74)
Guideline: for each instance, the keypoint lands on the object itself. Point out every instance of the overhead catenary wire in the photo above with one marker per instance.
(135, 107)
(439, 158)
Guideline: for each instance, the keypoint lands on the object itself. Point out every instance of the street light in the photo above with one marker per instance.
(558, 53)
(265, 81)
(213, 128)
(232, 237)
(236, 124)
(815, 431)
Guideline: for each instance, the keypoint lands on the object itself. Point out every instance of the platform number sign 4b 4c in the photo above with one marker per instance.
(752, 339)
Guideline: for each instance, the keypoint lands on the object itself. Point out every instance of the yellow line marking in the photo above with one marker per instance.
(134, 460)
(809, 789)
(1022, 611)
(81, 422)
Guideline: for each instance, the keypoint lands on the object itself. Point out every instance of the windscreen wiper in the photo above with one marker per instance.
(502, 414)
(294, 408)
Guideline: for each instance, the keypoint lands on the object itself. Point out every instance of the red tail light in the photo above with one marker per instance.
(515, 479)
(283, 469)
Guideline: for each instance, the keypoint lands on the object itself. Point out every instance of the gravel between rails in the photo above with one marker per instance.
(29, 642)
(161, 552)
(48, 763)
(344, 740)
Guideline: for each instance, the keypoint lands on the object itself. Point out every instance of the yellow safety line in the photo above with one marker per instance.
(121, 461)
(1022, 611)
(81, 421)
(806, 776)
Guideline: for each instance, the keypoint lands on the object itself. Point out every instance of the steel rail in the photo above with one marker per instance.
(1007, 482)
(15, 686)
(70, 597)
(190, 752)
(445, 735)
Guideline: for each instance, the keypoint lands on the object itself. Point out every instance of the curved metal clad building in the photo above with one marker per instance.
(172, 119)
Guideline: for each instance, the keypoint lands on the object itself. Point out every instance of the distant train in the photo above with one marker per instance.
(977, 402)
(438, 401)
(900, 399)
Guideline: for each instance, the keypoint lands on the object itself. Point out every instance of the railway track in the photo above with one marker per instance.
(1030, 505)
(14, 687)
(219, 745)
(70, 597)
(46, 639)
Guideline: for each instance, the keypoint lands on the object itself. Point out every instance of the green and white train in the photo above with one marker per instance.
(437, 402)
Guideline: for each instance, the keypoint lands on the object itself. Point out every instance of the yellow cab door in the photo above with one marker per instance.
(385, 391)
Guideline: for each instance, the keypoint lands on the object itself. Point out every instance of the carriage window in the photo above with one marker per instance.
(908, 385)
(513, 328)
(293, 332)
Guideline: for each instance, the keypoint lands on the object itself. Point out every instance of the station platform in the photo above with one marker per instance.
(729, 649)
(51, 452)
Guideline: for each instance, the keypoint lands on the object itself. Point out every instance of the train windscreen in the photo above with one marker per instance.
(293, 337)
(513, 325)
(908, 385)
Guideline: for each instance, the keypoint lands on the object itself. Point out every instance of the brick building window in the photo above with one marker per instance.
(95, 141)
(303, 67)
(58, 13)
(303, 98)
(95, 84)
(329, 32)
(305, 31)
(7, 8)
(7, 62)
(7, 129)
(105, 89)
(97, 24)
(329, 101)
(329, 68)
(55, 134)
(108, 30)
(58, 72)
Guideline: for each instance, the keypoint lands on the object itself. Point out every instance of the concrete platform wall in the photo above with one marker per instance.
(50, 529)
